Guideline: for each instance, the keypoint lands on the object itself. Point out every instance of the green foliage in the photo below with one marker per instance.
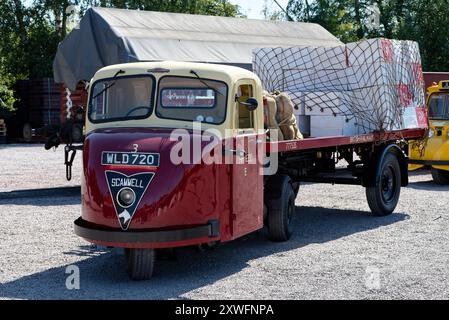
(29, 34)
(419, 20)
(206, 7)
(6, 94)
(427, 22)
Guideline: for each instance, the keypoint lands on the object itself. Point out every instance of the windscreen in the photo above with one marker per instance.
(438, 107)
(123, 98)
(192, 99)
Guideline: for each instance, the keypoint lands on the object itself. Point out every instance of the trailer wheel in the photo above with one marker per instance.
(280, 208)
(140, 263)
(384, 195)
(440, 176)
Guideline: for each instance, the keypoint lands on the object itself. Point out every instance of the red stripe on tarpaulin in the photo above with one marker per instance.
(78, 97)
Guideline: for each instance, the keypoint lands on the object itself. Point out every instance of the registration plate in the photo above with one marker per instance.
(130, 159)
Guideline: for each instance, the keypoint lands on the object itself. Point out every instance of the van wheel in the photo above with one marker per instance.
(384, 195)
(440, 176)
(281, 208)
(140, 263)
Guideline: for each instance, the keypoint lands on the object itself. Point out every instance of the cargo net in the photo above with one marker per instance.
(373, 85)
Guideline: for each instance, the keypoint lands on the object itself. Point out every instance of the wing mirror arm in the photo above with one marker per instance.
(251, 104)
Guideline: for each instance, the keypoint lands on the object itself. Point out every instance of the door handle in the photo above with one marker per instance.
(237, 152)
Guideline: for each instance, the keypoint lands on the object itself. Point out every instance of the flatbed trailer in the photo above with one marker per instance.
(298, 157)
(344, 141)
(376, 161)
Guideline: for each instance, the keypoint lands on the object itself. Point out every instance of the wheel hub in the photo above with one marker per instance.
(388, 184)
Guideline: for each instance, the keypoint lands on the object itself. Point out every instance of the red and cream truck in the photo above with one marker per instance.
(138, 195)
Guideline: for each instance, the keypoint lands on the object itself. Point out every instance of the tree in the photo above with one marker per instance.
(334, 15)
(6, 94)
(426, 22)
(29, 34)
(418, 20)
(207, 7)
(273, 14)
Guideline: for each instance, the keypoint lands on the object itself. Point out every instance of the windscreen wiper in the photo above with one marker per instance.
(114, 78)
(204, 82)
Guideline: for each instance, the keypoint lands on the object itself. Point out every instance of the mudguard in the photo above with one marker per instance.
(372, 172)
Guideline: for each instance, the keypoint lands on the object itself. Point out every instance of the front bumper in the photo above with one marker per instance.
(95, 234)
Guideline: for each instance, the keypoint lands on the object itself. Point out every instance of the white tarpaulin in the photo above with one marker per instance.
(109, 36)
(360, 87)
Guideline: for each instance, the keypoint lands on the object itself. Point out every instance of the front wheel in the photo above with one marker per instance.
(140, 263)
(384, 195)
(440, 176)
(281, 208)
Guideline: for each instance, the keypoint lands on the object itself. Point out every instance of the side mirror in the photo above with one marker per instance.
(251, 104)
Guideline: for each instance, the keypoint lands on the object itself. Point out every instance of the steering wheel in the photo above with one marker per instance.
(137, 108)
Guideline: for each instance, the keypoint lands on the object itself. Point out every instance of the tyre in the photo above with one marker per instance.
(281, 207)
(384, 195)
(140, 263)
(440, 176)
(295, 186)
(27, 132)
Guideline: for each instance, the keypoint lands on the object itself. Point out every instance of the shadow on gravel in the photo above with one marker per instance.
(42, 197)
(419, 172)
(428, 186)
(103, 275)
(22, 145)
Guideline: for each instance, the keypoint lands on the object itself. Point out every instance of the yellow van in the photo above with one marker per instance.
(435, 154)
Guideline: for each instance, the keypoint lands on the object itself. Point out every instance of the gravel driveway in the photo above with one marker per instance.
(338, 251)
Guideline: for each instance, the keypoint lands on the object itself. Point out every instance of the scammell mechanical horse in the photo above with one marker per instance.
(144, 187)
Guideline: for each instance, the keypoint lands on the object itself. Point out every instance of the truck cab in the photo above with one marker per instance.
(433, 152)
(144, 185)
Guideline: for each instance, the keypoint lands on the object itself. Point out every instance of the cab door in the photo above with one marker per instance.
(247, 178)
(437, 148)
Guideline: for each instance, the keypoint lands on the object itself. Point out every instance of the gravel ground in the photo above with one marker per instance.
(338, 251)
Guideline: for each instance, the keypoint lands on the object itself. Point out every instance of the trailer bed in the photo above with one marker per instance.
(329, 142)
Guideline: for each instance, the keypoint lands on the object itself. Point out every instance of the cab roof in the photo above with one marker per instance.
(204, 70)
(440, 86)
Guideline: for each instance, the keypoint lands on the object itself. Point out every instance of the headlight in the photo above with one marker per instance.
(431, 133)
(126, 197)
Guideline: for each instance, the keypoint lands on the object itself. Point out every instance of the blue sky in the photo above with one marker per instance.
(253, 8)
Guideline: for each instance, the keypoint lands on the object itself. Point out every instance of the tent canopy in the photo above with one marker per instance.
(109, 36)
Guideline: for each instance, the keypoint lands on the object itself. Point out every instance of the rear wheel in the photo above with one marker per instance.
(384, 195)
(440, 176)
(281, 207)
(140, 263)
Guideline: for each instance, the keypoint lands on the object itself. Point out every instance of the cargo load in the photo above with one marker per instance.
(352, 89)
(279, 116)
